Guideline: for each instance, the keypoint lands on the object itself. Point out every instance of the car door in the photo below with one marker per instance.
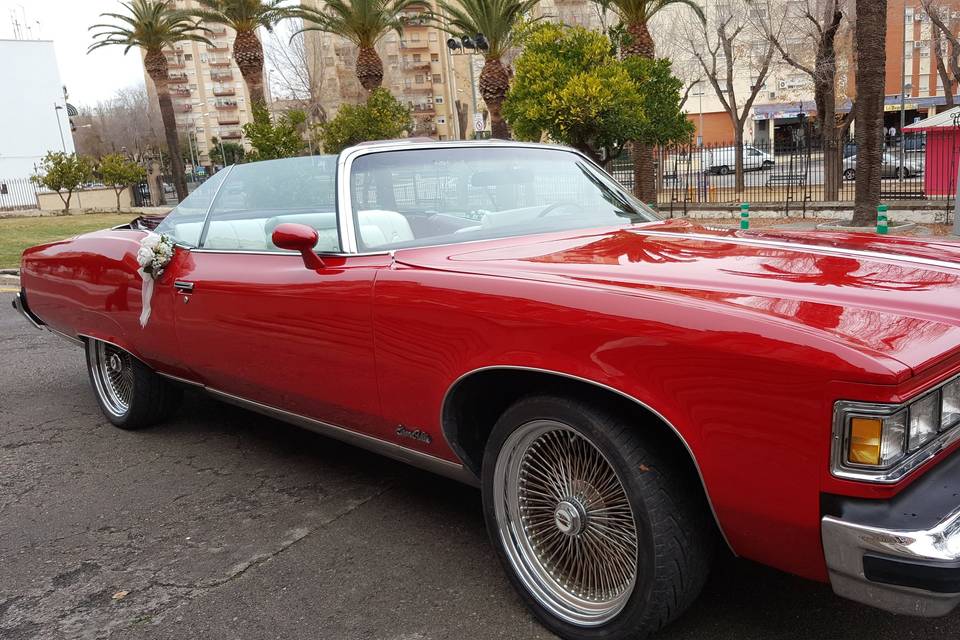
(254, 322)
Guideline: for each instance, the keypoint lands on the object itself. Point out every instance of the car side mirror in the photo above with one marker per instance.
(298, 237)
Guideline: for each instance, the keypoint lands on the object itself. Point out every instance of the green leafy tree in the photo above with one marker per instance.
(570, 86)
(500, 22)
(152, 25)
(235, 153)
(362, 22)
(119, 172)
(272, 139)
(382, 117)
(635, 41)
(245, 17)
(64, 173)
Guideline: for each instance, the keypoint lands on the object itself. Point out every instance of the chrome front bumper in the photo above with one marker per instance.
(900, 555)
(19, 303)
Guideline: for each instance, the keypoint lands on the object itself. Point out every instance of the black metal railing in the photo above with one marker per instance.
(795, 174)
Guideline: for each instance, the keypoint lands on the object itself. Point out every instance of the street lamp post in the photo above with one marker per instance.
(479, 45)
(56, 112)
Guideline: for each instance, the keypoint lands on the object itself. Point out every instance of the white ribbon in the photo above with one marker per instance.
(146, 294)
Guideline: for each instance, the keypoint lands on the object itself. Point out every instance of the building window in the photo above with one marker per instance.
(414, 37)
(441, 120)
(438, 99)
(437, 79)
(416, 57)
(434, 57)
(328, 60)
(188, 56)
(924, 85)
(419, 79)
(433, 36)
(925, 51)
(392, 59)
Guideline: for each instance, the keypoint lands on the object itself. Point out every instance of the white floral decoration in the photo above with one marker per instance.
(156, 251)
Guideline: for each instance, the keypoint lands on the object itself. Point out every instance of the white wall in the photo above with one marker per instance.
(29, 87)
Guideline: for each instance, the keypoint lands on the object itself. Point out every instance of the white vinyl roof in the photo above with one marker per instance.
(945, 120)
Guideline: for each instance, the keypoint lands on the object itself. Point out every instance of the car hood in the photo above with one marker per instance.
(893, 297)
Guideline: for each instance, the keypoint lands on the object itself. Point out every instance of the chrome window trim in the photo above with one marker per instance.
(896, 472)
(570, 376)
(213, 201)
(799, 246)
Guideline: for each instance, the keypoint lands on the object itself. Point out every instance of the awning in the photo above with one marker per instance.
(948, 119)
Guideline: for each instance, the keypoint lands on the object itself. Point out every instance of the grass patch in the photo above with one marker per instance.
(17, 234)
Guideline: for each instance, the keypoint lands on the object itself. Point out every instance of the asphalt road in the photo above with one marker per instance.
(222, 524)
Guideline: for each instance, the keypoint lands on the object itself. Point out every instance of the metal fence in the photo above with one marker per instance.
(795, 174)
(17, 194)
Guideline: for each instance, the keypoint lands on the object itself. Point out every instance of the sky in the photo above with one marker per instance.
(89, 78)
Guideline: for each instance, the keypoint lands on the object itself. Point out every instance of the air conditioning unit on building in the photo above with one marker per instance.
(782, 84)
(773, 95)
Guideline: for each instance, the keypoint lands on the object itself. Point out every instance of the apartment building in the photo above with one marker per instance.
(210, 98)
(439, 84)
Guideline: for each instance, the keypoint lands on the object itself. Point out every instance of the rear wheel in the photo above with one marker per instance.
(129, 393)
(602, 533)
(850, 174)
(724, 170)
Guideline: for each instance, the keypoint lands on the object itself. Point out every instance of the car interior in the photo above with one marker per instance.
(404, 204)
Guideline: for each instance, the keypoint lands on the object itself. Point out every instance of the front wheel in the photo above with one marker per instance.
(603, 533)
(850, 174)
(129, 393)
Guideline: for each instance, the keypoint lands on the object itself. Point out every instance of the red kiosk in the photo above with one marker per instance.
(942, 151)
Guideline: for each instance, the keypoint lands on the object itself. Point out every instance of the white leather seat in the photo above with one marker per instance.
(379, 227)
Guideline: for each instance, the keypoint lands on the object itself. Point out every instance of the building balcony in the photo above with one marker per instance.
(226, 105)
(414, 44)
(231, 135)
(417, 66)
(218, 31)
(423, 108)
(175, 78)
(228, 120)
(180, 91)
(224, 91)
(183, 108)
(419, 89)
(218, 76)
(218, 46)
(175, 63)
(219, 62)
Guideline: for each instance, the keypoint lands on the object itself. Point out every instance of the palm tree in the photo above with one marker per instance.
(498, 22)
(244, 17)
(152, 25)
(362, 22)
(636, 16)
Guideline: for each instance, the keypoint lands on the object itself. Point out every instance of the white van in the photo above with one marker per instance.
(723, 160)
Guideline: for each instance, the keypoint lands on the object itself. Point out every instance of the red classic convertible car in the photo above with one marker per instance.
(626, 391)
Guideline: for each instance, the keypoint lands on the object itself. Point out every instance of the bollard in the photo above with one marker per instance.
(745, 215)
(882, 219)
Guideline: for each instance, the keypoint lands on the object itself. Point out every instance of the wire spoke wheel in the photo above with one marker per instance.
(113, 377)
(565, 522)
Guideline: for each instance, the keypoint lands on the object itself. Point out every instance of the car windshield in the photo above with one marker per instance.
(433, 196)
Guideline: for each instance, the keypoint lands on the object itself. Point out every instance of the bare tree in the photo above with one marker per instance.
(871, 55)
(725, 46)
(127, 123)
(946, 43)
(805, 33)
(298, 69)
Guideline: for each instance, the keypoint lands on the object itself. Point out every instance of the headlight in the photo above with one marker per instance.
(883, 443)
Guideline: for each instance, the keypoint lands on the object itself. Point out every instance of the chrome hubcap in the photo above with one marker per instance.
(566, 523)
(112, 370)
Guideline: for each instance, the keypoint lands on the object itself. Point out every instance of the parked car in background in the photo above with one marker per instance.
(723, 160)
(627, 392)
(891, 167)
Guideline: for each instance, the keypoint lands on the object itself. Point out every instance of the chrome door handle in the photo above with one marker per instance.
(183, 287)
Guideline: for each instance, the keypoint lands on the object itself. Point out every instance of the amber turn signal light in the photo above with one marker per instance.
(865, 439)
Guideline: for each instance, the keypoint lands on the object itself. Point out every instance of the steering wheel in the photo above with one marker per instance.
(550, 208)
